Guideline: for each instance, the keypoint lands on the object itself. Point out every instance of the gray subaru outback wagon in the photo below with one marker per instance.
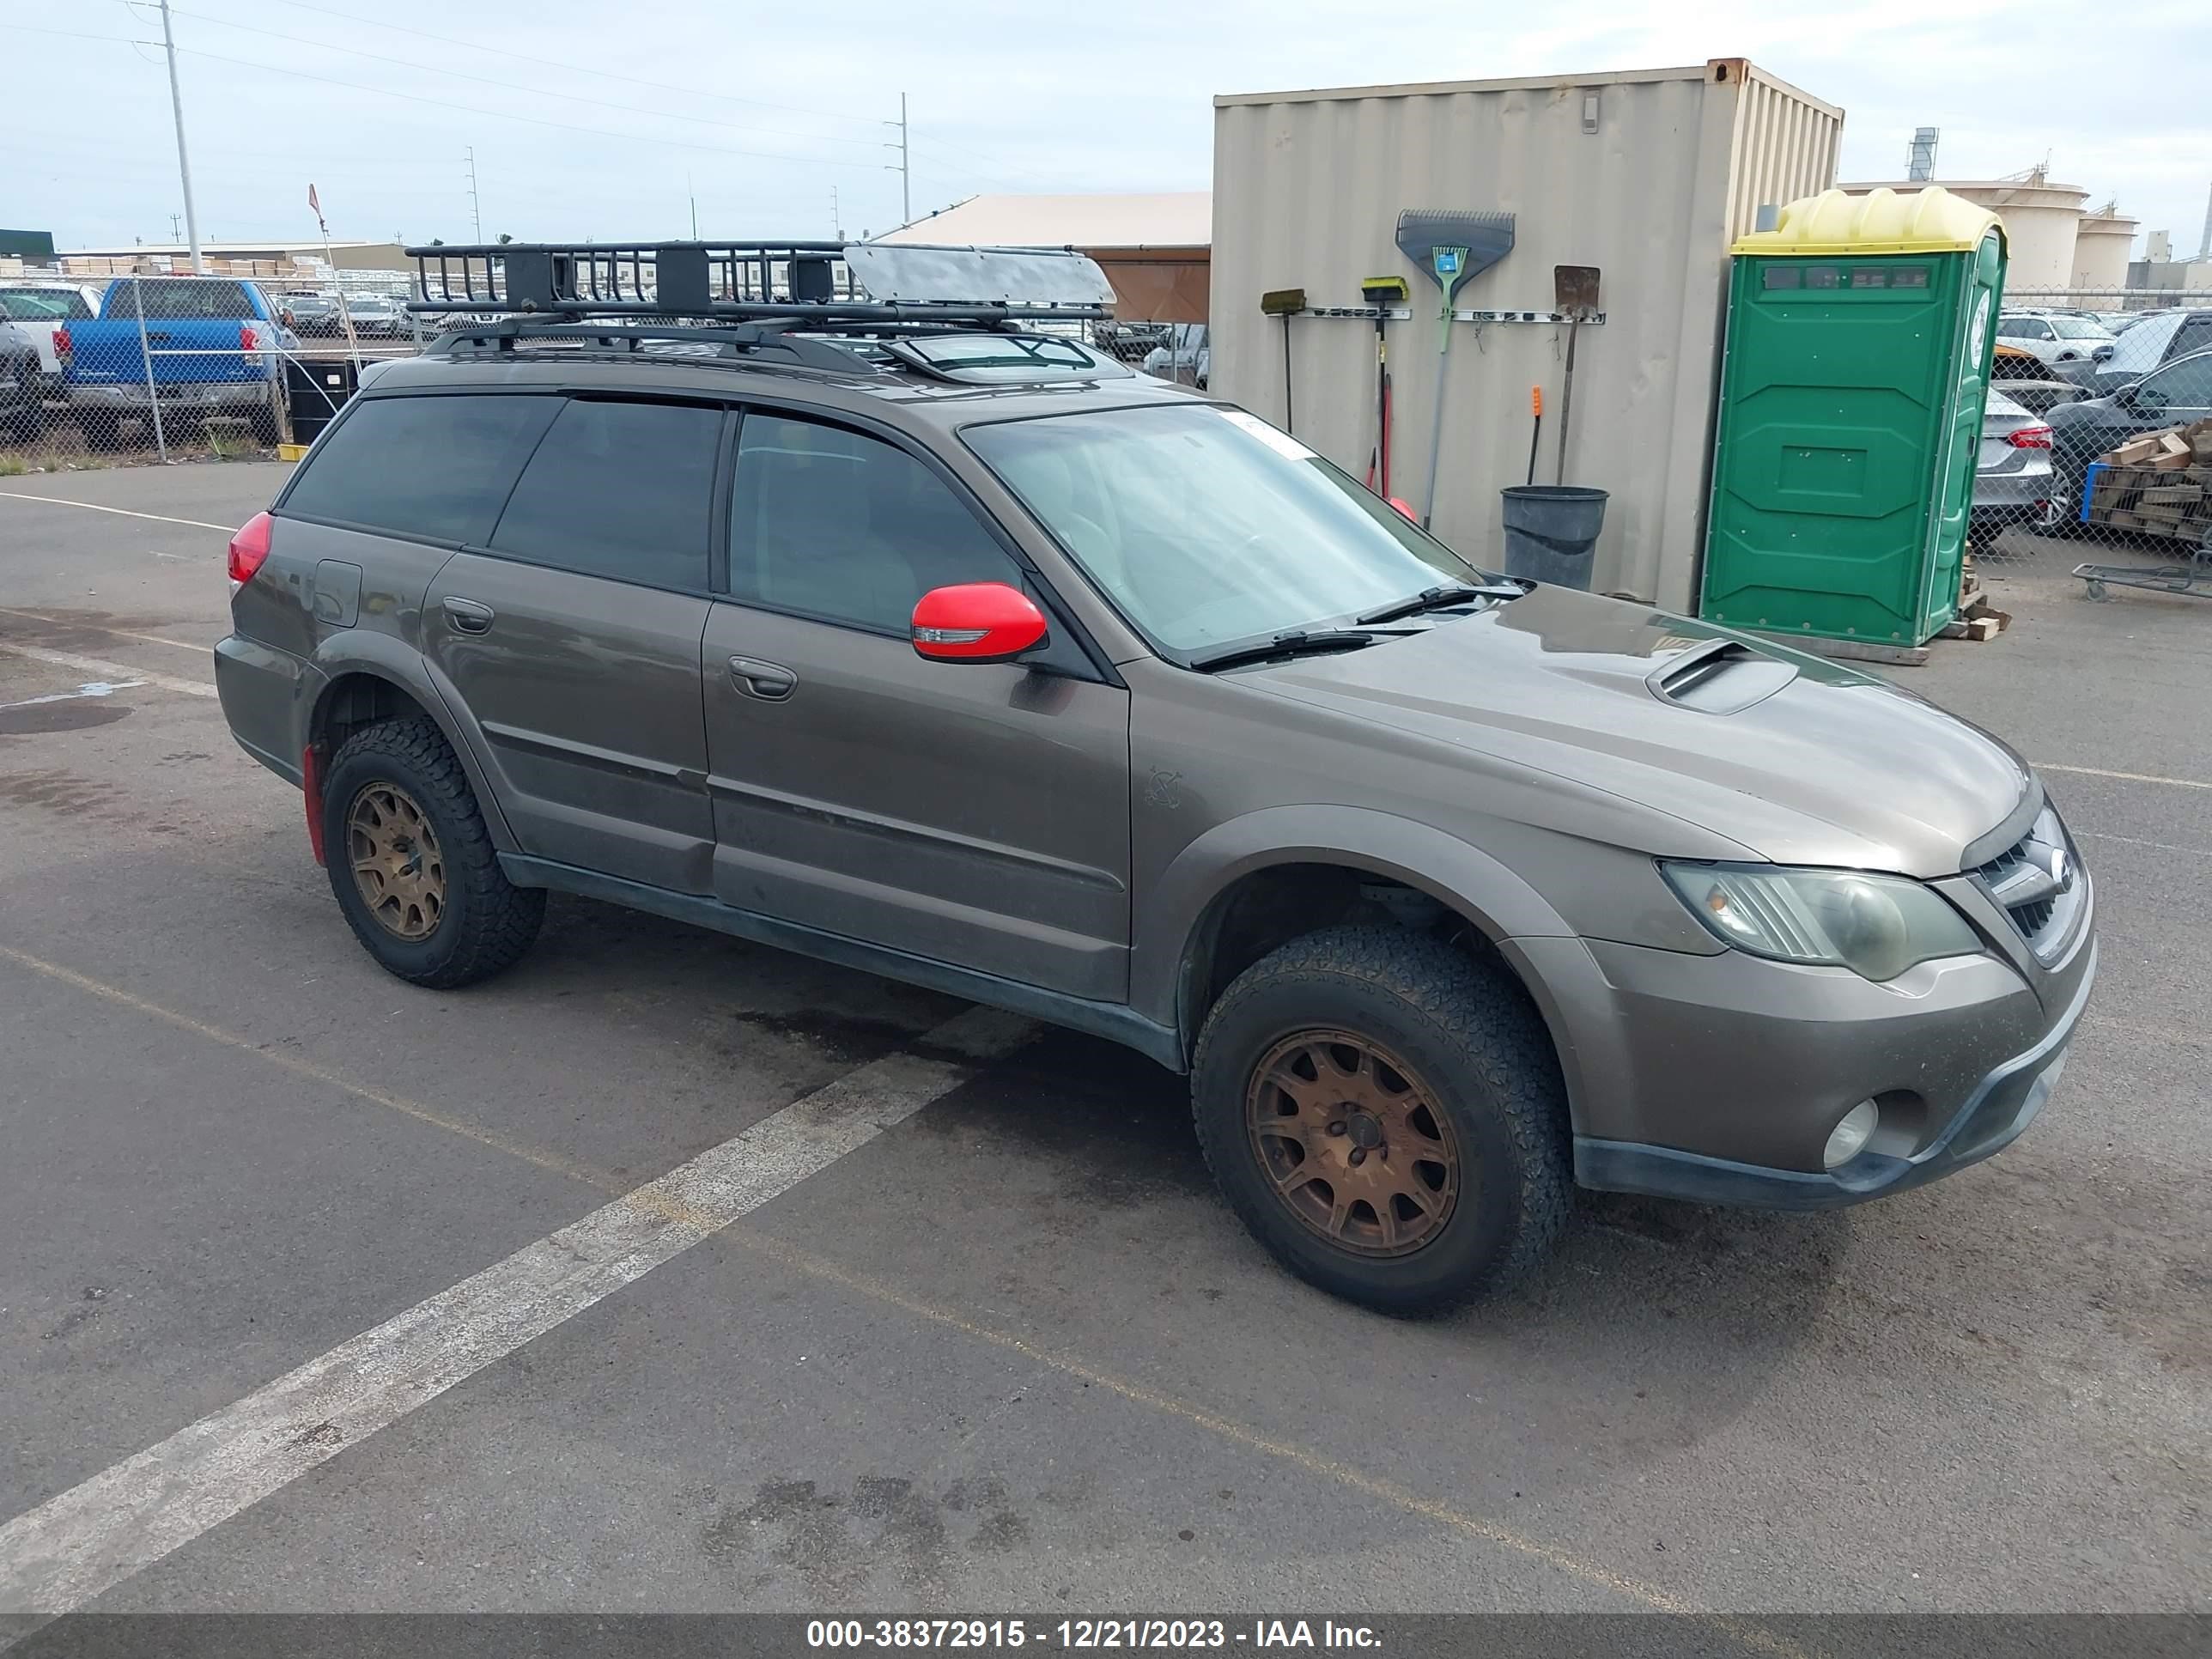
(912, 634)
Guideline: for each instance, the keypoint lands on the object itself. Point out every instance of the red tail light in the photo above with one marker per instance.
(2029, 437)
(249, 547)
(65, 347)
(248, 338)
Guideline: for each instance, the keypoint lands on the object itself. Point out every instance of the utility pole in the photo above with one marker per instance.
(176, 229)
(2204, 247)
(183, 161)
(836, 216)
(476, 211)
(694, 197)
(905, 173)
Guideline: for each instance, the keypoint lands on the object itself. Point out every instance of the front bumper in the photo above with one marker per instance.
(1719, 1077)
(2002, 1104)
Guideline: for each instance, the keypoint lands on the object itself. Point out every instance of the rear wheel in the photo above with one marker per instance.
(412, 864)
(1386, 1118)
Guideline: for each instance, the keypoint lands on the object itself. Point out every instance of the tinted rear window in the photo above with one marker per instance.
(435, 466)
(619, 489)
(177, 299)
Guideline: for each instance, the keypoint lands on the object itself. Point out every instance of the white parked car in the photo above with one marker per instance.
(42, 310)
(2053, 337)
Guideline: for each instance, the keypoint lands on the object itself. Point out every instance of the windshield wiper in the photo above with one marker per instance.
(1436, 598)
(1298, 641)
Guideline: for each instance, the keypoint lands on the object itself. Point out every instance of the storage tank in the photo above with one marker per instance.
(1647, 174)
(2102, 242)
(2039, 220)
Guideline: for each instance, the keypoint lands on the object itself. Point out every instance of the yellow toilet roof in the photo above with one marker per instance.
(1930, 220)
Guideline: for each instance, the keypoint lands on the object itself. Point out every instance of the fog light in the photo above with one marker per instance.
(1849, 1135)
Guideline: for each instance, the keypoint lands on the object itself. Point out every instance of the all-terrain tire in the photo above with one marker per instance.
(485, 922)
(1484, 1056)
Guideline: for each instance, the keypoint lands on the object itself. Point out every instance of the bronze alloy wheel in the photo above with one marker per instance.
(1352, 1142)
(395, 861)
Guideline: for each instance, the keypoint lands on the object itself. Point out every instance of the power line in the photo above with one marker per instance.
(577, 69)
(510, 86)
(531, 120)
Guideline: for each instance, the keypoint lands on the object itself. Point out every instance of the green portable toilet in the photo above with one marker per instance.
(1859, 337)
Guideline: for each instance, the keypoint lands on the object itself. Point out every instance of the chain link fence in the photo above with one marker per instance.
(101, 370)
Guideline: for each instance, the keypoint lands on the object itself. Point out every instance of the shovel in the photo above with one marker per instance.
(1574, 296)
(1451, 247)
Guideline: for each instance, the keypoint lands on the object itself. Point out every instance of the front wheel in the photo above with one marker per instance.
(1386, 1117)
(412, 864)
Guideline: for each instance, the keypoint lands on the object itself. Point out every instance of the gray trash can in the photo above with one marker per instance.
(1550, 530)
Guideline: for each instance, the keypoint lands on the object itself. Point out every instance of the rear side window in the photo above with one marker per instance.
(438, 467)
(2193, 336)
(619, 489)
(174, 299)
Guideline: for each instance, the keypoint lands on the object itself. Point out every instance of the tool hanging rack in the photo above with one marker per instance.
(828, 285)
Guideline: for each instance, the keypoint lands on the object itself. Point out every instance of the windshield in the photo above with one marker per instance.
(1205, 525)
(2078, 328)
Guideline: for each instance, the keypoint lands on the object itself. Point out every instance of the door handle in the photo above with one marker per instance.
(768, 680)
(467, 617)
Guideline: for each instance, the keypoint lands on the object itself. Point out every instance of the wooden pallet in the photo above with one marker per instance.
(1975, 617)
(2163, 501)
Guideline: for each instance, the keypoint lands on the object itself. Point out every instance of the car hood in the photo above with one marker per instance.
(1788, 756)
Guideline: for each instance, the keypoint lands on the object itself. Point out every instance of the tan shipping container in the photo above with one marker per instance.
(1648, 175)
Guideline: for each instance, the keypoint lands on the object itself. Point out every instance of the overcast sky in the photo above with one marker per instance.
(617, 113)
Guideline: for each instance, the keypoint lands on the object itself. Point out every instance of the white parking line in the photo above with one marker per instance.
(110, 671)
(198, 648)
(57, 1556)
(2125, 777)
(92, 689)
(94, 506)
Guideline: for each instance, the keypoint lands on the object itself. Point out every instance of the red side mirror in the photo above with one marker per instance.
(976, 621)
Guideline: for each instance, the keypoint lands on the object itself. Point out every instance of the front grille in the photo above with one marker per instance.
(2038, 883)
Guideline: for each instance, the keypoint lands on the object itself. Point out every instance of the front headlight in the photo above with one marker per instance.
(1876, 926)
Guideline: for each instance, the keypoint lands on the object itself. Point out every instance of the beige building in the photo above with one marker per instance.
(2041, 221)
(2102, 243)
(1154, 248)
(261, 259)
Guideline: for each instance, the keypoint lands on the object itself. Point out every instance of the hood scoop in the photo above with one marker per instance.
(1723, 677)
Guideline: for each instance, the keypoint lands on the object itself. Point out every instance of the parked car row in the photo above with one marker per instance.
(373, 316)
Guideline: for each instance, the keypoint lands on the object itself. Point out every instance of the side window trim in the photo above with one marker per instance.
(716, 508)
(1063, 621)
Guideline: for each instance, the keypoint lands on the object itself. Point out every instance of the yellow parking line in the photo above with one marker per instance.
(314, 1073)
(1319, 1464)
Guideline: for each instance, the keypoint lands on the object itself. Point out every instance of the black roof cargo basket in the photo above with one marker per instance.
(825, 283)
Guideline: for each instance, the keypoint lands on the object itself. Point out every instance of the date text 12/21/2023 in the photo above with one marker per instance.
(1261, 1636)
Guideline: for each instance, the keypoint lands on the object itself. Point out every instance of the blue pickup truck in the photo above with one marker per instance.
(210, 345)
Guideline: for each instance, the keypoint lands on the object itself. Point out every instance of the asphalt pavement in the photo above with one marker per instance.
(669, 1273)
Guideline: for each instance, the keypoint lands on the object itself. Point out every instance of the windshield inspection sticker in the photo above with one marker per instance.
(1281, 442)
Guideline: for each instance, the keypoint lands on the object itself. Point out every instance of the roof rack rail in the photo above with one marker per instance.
(714, 340)
(823, 283)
